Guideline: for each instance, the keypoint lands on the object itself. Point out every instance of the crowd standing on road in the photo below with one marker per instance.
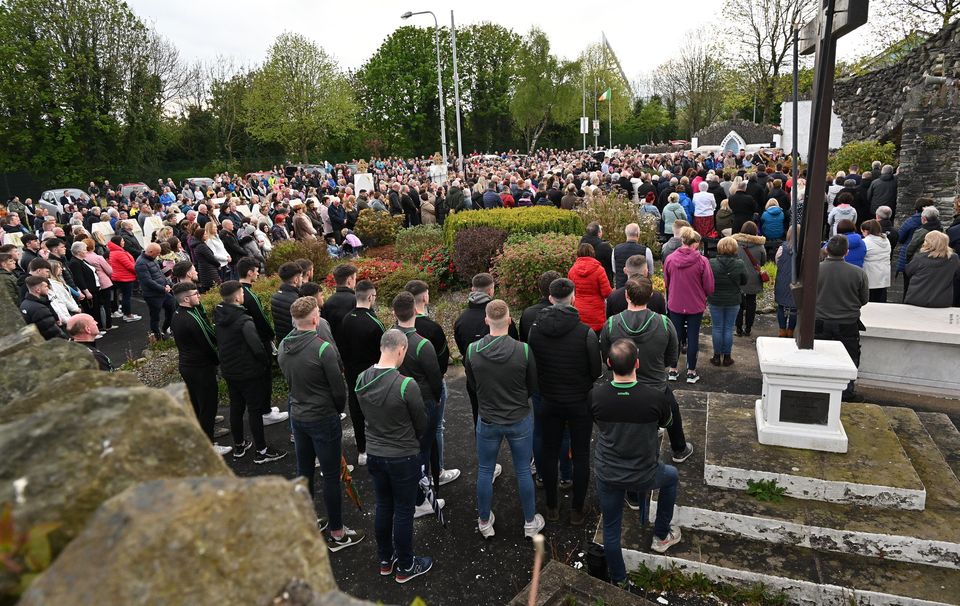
(540, 388)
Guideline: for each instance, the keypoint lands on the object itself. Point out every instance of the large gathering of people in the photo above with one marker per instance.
(585, 371)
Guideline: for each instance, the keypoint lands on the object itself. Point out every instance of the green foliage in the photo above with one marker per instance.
(299, 98)
(765, 490)
(377, 228)
(291, 250)
(474, 249)
(521, 263)
(614, 212)
(771, 268)
(24, 554)
(412, 242)
(675, 580)
(391, 284)
(438, 262)
(263, 288)
(863, 153)
(533, 220)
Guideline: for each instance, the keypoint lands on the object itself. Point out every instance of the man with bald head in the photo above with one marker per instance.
(228, 236)
(82, 328)
(156, 290)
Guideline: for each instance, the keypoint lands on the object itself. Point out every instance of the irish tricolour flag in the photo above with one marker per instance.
(606, 95)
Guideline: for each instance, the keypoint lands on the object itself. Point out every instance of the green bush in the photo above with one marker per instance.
(863, 154)
(474, 249)
(393, 283)
(377, 228)
(614, 212)
(412, 242)
(263, 288)
(291, 250)
(533, 220)
(521, 263)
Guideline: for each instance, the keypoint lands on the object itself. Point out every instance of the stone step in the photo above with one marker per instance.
(946, 436)
(807, 576)
(926, 457)
(930, 537)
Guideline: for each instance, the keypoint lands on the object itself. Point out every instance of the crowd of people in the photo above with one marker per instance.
(537, 383)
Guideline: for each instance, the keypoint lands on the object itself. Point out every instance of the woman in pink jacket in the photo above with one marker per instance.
(104, 272)
(689, 281)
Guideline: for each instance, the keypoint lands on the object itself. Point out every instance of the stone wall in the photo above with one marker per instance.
(750, 131)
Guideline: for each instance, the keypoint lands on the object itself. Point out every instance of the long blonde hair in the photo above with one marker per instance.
(937, 245)
(210, 229)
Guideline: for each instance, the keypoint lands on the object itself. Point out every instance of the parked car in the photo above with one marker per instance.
(203, 183)
(50, 199)
(127, 188)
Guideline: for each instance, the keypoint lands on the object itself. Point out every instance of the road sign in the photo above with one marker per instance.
(596, 125)
(584, 125)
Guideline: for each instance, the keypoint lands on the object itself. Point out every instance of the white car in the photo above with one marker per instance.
(50, 199)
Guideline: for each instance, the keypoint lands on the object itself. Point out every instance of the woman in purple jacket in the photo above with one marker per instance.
(689, 280)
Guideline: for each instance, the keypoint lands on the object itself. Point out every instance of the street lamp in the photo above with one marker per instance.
(436, 39)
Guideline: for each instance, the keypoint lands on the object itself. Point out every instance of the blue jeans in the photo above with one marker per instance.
(566, 464)
(722, 319)
(688, 330)
(321, 440)
(611, 506)
(519, 436)
(395, 482)
(787, 317)
(441, 407)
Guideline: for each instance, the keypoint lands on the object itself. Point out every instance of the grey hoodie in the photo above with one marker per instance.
(393, 410)
(312, 370)
(656, 340)
(503, 373)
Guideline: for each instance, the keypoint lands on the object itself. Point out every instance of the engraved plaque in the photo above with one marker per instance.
(807, 407)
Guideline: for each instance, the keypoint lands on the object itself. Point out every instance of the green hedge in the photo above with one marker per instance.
(862, 153)
(533, 220)
(412, 242)
(519, 266)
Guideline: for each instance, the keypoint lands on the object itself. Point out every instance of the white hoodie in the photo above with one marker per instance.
(62, 301)
(876, 263)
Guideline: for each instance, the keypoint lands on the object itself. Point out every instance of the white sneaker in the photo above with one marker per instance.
(448, 475)
(343, 416)
(132, 318)
(275, 416)
(530, 529)
(222, 450)
(100, 335)
(486, 530)
(117, 315)
(497, 471)
(426, 509)
(672, 538)
(362, 459)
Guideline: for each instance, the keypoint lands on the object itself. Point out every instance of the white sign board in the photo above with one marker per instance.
(584, 125)
(362, 181)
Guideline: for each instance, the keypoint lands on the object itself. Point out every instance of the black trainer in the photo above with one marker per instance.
(241, 449)
(322, 524)
(268, 455)
(348, 539)
(387, 566)
(420, 565)
(633, 500)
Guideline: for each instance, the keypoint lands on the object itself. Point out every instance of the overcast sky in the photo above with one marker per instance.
(352, 31)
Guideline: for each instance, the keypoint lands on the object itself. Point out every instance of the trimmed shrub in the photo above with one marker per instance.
(614, 212)
(521, 263)
(863, 153)
(412, 242)
(438, 262)
(291, 250)
(393, 283)
(370, 268)
(377, 228)
(532, 220)
(263, 288)
(474, 249)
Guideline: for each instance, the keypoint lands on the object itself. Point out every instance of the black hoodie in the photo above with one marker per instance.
(195, 338)
(503, 374)
(421, 364)
(242, 356)
(312, 370)
(393, 412)
(280, 304)
(567, 354)
(470, 326)
(656, 340)
(362, 349)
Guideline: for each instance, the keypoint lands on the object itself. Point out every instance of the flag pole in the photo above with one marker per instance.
(610, 118)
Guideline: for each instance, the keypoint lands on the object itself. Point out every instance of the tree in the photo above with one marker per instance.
(545, 89)
(693, 84)
(764, 31)
(895, 22)
(299, 98)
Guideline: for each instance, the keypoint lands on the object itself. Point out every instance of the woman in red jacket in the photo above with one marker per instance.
(591, 287)
(124, 275)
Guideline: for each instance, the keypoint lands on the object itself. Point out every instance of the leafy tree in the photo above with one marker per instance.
(693, 84)
(299, 98)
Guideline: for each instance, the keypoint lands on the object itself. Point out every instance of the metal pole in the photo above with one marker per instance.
(443, 120)
(610, 119)
(596, 143)
(456, 92)
(795, 170)
(805, 285)
(583, 84)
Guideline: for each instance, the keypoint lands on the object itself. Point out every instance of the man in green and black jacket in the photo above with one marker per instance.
(197, 344)
(360, 352)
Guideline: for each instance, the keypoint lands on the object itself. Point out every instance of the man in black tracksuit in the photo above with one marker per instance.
(433, 332)
(360, 352)
(471, 325)
(627, 456)
(281, 300)
(396, 425)
(248, 270)
(658, 349)
(339, 304)
(318, 395)
(529, 315)
(420, 363)
(568, 362)
(242, 363)
(36, 308)
(197, 344)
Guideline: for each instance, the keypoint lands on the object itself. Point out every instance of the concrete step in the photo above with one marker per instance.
(807, 576)
(929, 537)
(945, 435)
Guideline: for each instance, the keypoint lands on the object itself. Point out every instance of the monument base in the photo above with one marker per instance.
(800, 405)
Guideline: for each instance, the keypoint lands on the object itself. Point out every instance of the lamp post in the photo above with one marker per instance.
(436, 39)
(456, 92)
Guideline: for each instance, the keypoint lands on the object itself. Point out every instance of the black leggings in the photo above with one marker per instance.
(678, 441)
(554, 418)
(247, 396)
(748, 311)
(201, 384)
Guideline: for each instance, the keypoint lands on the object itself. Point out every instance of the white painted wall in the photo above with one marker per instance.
(803, 114)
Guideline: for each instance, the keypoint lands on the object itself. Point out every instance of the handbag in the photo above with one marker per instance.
(764, 276)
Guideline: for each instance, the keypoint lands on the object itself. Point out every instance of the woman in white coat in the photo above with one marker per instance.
(876, 264)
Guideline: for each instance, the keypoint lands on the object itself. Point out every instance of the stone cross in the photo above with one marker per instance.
(834, 19)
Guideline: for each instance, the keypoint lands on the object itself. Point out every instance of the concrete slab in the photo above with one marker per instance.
(562, 585)
(875, 471)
